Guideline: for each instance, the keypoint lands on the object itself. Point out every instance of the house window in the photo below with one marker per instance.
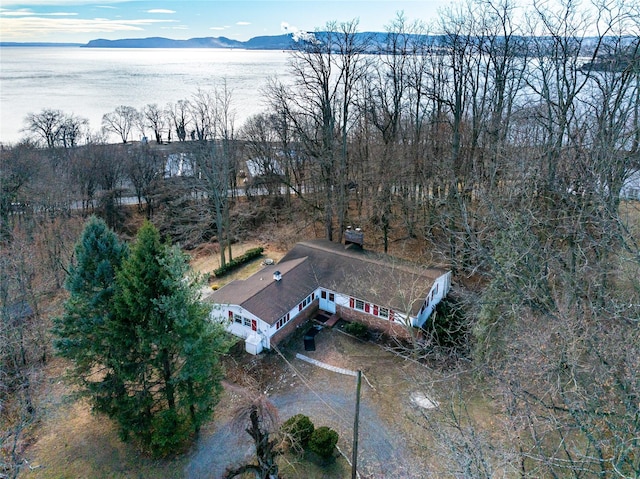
(332, 297)
(384, 313)
(360, 304)
(282, 321)
(323, 294)
(246, 322)
(237, 318)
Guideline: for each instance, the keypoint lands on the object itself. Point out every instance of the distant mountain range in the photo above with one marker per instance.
(374, 42)
(276, 42)
(273, 42)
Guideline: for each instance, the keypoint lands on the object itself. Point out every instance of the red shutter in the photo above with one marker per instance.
(351, 302)
(375, 310)
(254, 325)
(391, 315)
(300, 307)
(366, 307)
(230, 314)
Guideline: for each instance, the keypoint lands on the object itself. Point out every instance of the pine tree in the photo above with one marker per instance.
(169, 347)
(143, 348)
(82, 332)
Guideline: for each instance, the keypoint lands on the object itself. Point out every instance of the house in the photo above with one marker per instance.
(383, 292)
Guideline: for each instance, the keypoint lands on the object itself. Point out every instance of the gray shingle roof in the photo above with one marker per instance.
(372, 277)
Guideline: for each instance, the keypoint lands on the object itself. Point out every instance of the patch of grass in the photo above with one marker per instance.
(293, 467)
(75, 443)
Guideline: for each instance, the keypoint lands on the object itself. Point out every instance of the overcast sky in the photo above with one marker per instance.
(84, 20)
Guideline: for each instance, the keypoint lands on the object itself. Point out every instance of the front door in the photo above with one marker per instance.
(328, 302)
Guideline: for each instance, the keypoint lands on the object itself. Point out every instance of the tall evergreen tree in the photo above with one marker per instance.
(143, 348)
(168, 347)
(82, 332)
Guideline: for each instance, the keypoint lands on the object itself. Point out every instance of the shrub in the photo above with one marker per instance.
(170, 434)
(239, 261)
(323, 441)
(447, 326)
(358, 330)
(298, 429)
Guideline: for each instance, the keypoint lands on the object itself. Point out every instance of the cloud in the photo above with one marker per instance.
(160, 10)
(27, 27)
(243, 23)
(217, 28)
(25, 12)
(58, 3)
(15, 13)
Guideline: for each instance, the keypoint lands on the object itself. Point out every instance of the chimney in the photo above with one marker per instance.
(355, 237)
(277, 275)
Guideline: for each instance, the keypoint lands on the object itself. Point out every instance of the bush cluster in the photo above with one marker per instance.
(239, 261)
(358, 330)
(323, 442)
(298, 430)
(301, 434)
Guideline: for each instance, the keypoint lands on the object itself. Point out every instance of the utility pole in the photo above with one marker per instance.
(354, 459)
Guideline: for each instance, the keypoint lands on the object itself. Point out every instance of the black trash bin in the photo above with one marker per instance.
(310, 338)
(309, 343)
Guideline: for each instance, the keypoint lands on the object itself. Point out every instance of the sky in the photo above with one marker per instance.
(78, 21)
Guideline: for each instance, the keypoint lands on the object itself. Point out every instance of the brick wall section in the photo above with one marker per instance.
(373, 322)
(290, 327)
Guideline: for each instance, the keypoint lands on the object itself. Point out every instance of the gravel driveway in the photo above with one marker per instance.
(328, 399)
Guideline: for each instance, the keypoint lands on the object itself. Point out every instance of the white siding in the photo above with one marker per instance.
(241, 330)
(438, 291)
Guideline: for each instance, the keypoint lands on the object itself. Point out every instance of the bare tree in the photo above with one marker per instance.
(215, 157)
(46, 125)
(56, 128)
(265, 157)
(262, 417)
(121, 121)
(202, 108)
(326, 69)
(144, 168)
(18, 167)
(179, 115)
(154, 118)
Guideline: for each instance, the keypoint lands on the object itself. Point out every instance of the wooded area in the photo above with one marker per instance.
(503, 147)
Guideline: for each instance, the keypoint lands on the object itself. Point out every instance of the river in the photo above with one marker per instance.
(89, 82)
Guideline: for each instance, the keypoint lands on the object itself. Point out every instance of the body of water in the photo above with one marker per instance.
(90, 82)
